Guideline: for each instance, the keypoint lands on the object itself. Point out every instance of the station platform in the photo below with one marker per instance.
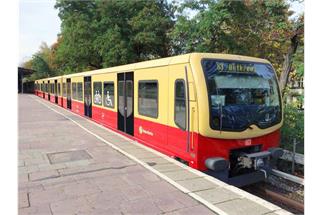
(70, 165)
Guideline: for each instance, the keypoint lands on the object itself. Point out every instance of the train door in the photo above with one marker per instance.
(60, 93)
(88, 96)
(178, 137)
(48, 90)
(43, 89)
(56, 92)
(69, 92)
(125, 98)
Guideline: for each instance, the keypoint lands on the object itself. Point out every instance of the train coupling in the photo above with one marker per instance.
(257, 164)
(259, 160)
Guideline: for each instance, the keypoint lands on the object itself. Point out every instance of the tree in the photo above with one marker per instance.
(98, 34)
(255, 28)
(75, 51)
(296, 39)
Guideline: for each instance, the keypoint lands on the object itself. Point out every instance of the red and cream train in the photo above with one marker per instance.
(217, 113)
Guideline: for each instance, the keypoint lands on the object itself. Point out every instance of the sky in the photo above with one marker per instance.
(39, 22)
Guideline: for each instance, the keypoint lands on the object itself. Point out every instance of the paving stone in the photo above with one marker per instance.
(197, 184)
(115, 139)
(242, 206)
(61, 157)
(181, 197)
(134, 192)
(23, 177)
(29, 187)
(28, 169)
(168, 167)
(42, 209)
(43, 175)
(21, 163)
(23, 200)
(80, 189)
(36, 161)
(155, 161)
(106, 183)
(71, 206)
(134, 169)
(196, 210)
(141, 206)
(167, 202)
(272, 213)
(46, 196)
(217, 195)
(56, 183)
(44, 167)
(181, 175)
(140, 178)
(143, 155)
(158, 187)
(114, 198)
(78, 163)
(126, 145)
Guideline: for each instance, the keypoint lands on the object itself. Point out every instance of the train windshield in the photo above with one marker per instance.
(241, 94)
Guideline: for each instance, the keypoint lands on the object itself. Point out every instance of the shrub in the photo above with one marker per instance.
(293, 127)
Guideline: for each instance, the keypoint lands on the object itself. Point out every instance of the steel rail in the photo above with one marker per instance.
(288, 156)
(284, 200)
(289, 177)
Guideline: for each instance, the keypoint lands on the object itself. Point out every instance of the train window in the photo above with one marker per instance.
(59, 93)
(180, 104)
(129, 97)
(97, 93)
(148, 98)
(80, 91)
(108, 97)
(64, 89)
(74, 94)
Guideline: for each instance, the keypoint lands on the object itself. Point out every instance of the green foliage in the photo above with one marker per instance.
(298, 62)
(98, 34)
(42, 62)
(254, 28)
(293, 127)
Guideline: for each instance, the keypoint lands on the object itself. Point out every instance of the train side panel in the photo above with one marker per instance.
(152, 130)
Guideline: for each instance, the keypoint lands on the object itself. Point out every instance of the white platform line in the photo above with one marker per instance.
(217, 182)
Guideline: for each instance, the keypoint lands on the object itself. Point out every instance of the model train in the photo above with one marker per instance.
(217, 113)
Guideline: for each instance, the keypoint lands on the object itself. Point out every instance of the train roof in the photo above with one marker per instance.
(162, 62)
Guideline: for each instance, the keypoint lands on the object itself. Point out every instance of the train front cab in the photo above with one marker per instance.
(242, 156)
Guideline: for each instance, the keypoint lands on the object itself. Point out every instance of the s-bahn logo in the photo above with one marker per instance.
(248, 142)
(143, 131)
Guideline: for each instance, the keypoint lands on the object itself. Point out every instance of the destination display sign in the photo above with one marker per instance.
(235, 67)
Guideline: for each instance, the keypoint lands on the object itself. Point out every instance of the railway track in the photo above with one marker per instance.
(281, 189)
